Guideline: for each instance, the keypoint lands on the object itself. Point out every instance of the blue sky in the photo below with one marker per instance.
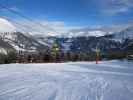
(73, 12)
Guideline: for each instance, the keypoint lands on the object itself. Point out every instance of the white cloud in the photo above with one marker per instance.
(6, 26)
(58, 28)
(52, 28)
(48, 28)
(113, 7)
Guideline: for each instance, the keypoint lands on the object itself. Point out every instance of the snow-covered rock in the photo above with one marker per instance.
(21, 42)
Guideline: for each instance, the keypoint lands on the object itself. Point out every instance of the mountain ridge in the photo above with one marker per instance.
(109, 42)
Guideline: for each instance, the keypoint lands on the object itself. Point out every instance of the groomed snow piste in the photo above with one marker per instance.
(109, 80)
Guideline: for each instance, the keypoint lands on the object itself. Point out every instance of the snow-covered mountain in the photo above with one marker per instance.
(119, 41)
(124, 34)
(17, 40)
(78, 40)
(109, 42)
(96, 33)
(22, 42)
(86, 44)
(48, 41)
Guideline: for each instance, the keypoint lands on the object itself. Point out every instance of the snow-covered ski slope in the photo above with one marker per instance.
(109, 80)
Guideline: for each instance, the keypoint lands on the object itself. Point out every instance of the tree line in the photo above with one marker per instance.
(58, 57)
(55, 54)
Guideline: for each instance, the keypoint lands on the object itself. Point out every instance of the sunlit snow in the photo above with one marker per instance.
(109, 80)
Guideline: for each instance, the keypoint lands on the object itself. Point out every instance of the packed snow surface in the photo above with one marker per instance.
(109, 80)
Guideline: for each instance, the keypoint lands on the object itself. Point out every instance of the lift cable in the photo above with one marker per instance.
(25, 17)
(22, 26)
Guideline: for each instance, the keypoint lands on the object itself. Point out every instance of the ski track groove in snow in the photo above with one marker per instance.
(109, 80)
